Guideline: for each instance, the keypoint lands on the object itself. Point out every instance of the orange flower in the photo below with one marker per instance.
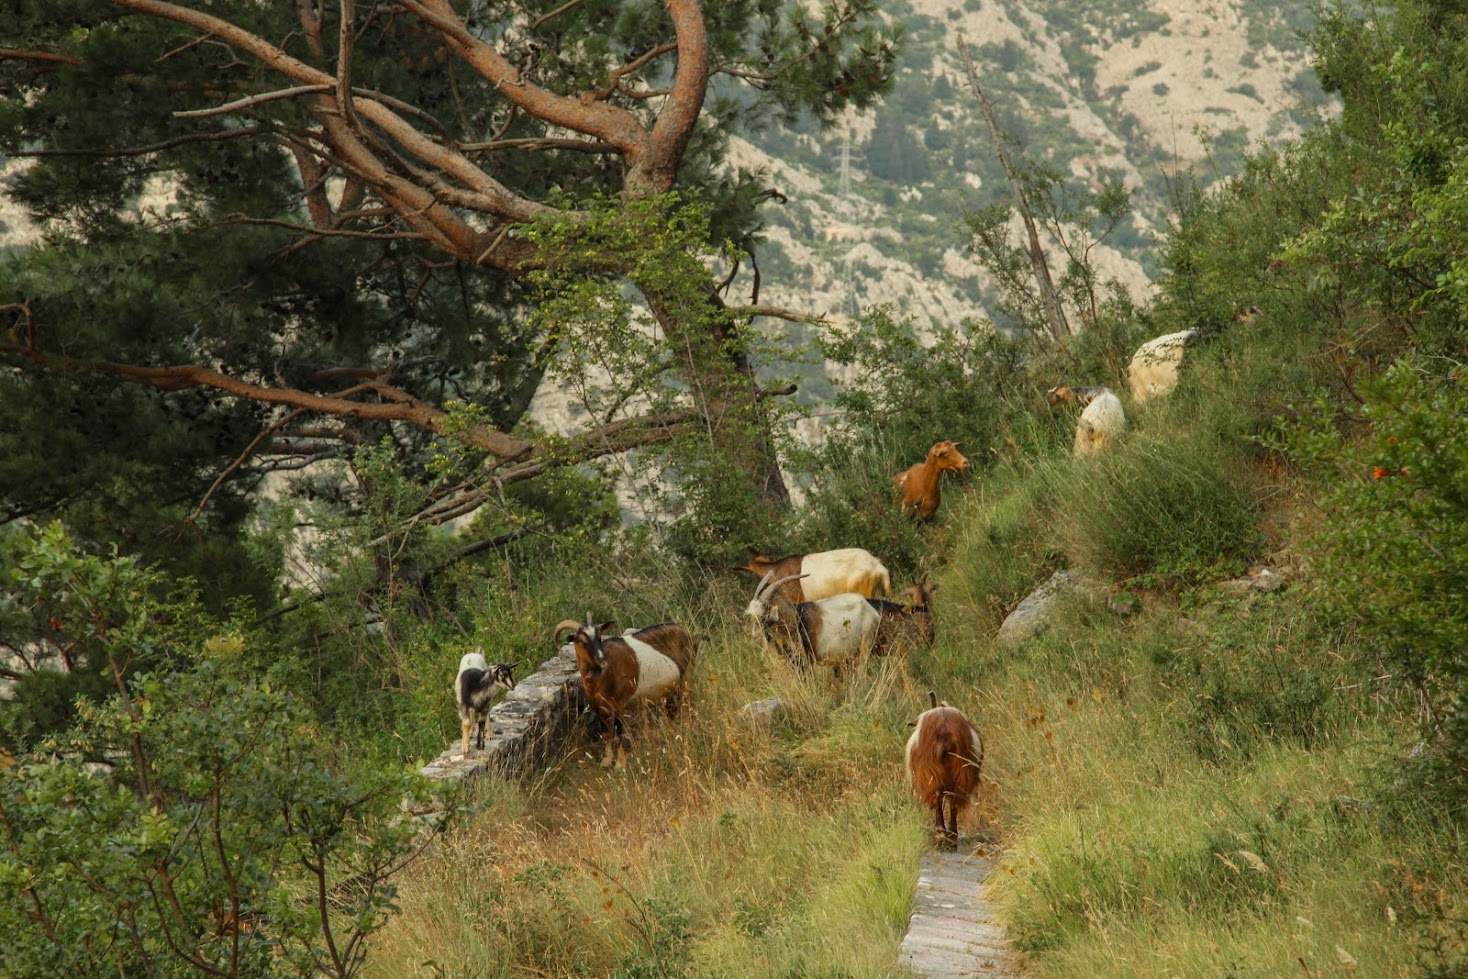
(1377, 472)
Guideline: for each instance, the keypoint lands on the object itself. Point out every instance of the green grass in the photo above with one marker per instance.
(1212, 786)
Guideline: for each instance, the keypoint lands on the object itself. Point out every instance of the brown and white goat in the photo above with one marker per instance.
(644, 666)
(904, 627)
(474, 690)
(920, 484)
(836, 631)
(944, 758)
(810, 577)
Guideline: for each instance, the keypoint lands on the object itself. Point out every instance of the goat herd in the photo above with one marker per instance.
(823, 608)
(819, 608)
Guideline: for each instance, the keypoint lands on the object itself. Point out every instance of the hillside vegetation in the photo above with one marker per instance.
(1185, 777)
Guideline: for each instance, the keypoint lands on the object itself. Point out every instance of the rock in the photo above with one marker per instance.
(1031, 616)
(1260, 580)
(765, 714)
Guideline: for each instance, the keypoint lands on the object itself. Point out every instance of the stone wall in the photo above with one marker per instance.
(529, 725)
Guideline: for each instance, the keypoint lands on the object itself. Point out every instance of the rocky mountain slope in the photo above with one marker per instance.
(1151, 91)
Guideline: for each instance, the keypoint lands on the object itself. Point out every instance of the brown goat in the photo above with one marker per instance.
(944, 758)
(821, 574)
(919, 484)
(643, 666)
(903, 627)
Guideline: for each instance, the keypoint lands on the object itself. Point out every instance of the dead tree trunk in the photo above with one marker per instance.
(1054, 315)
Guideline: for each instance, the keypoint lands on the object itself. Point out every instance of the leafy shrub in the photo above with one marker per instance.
(196, 825)
(1177, 509)
(1393, 548)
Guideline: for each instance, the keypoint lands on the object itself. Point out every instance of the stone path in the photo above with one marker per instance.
(953, 933)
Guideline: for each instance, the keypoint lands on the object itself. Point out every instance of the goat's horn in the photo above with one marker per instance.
(759, 589)
(774, 585)
(571, 624)
(932, 699)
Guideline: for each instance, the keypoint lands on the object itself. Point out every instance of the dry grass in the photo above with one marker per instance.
(720, 850)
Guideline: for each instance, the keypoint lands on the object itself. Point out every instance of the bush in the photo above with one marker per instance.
(196, 825)
(1175, 509)
(1393, 549)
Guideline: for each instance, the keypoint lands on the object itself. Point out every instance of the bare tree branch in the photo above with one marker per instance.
(166, 144)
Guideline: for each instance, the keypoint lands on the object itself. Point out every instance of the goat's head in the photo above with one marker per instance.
(764, 609)
(945, 455)
(1061, 395)
(503, 675)
(759, 563)
(586, 639)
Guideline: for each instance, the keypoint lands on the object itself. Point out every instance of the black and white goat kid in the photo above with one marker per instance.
(474, 689)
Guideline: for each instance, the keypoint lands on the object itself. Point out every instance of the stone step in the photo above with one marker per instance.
(953, 932)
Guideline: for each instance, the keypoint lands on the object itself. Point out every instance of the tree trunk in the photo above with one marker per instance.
(726, 394)
(1050, 301)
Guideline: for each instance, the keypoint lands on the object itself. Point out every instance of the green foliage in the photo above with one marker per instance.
(1174, 508)
(64, 616)
(218, 836)
(1394, 544)
(679, 344)
(194, 819)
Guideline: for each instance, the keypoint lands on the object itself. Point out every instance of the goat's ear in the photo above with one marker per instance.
(912, 723)
(605, 627)
(741, 567)
(930, 588)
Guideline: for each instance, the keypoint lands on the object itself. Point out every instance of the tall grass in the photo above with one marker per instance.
(1211, 786)
(722, 849)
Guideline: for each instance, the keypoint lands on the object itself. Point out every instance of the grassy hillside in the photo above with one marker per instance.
(1186, 777)
(1207, 783)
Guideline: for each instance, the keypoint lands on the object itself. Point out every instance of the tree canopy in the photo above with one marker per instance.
(272, 232)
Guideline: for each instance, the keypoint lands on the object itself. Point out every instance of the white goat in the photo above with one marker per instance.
(835, 631)
(1102, 422)
(474, 689)
(1153, 368)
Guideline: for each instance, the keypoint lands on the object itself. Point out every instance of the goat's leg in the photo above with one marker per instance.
(622, 743)
(952, 833)
(609, 748)
(482, 720)
(465, 744)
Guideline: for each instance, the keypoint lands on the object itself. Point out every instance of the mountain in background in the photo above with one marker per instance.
(1151, 91)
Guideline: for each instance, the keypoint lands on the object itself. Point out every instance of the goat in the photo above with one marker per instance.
(920, 484)
(824, 573)
(1102, 421)
(835, 631)
(647, 665)
(902, 626)
(475, 687)
(944, 758)
(1153, 369)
